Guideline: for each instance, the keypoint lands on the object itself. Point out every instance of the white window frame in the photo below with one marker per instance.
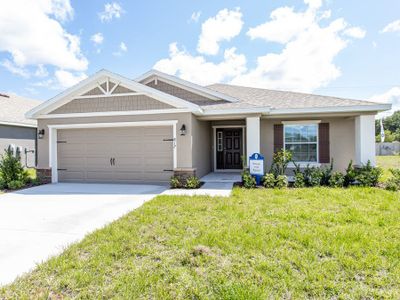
(302, 123)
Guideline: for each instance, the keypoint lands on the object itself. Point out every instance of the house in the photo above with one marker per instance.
(16, 131)
(109, 128)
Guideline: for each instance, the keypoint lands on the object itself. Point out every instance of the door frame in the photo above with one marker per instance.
(215, 145)
(53, 161)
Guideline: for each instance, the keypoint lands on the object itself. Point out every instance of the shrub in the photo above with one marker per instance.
(281, 159)
(248, 180)
(368, 175)
(3, 184)
(192, 182)
(393, 183)
(326, 174)
(269, 180)
(176, 182)
(15, 184)
(315, 176)
(11, 168)
(336, 180)
(299, 181)
(281, 181)
(350, 175)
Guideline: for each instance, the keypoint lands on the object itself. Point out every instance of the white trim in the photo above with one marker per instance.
(303, 164)
(354, 108)
(17, 124)
(115, 113)
(114, 124)
(215, 146)
(53, 162)
(190, 86)
(305, 122)
(108, 95)
(260, 110)
(316, 163)
(253, 140)
(69, 94)
(114, 87)
(364, 139)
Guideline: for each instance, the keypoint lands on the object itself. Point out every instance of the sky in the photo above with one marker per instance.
(329, 47)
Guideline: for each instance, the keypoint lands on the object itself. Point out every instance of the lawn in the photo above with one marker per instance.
(256, 244)
(388, 162)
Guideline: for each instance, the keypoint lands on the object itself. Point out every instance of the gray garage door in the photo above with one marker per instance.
(123, 155)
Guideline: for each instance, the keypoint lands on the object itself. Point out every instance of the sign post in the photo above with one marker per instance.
(256, 165)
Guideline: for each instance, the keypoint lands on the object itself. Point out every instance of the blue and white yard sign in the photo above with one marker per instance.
(256, 165)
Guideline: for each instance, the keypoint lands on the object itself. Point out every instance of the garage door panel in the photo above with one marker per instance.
(140, 153)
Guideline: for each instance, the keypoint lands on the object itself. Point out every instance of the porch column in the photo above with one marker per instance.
(252, 136)
(365, 139)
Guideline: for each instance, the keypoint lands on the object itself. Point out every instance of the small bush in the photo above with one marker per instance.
(269, 180)
(299, 181)
(368, 175)
(176, 182)
(192, 182)
(315, 177)
(281, 181)
(393, 183)
(350, 175)
(280, 161)
(3, 184)
(336, 180)
(248, 180)
(326, 174)
(11, 168)
(15, 184)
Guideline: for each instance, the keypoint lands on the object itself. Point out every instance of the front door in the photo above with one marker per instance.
(229, 148)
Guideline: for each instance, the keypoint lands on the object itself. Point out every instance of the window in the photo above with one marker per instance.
(302, 141)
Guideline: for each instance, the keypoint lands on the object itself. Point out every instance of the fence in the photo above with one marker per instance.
(387, 148)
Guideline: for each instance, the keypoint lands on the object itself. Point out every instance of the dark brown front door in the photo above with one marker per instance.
(229, 148)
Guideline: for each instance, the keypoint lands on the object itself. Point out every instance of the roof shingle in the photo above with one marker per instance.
(13, 109)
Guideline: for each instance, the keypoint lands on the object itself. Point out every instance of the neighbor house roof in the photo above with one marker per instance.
(13, 109)
(279, 100)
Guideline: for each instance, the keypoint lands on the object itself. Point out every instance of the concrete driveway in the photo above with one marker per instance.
(40, 222)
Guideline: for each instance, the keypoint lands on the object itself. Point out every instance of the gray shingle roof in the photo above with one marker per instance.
(13, 109)
(255, 97)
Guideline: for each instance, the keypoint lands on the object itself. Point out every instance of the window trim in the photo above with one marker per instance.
(302, 123)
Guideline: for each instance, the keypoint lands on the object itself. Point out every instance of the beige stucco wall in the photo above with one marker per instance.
(184, 150)
(201, 150)
(342, 140)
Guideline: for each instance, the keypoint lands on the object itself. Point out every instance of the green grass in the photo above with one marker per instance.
(388, 162)
(256, 244)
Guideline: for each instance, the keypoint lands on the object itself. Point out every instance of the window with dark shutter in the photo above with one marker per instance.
(278, 137)
(323, 143)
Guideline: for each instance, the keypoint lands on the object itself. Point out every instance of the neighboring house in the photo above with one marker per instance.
(112, 129)
(17, 131)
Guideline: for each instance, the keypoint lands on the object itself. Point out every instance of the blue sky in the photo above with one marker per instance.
(343, 48)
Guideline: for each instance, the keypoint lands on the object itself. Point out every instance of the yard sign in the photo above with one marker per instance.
(256, 165)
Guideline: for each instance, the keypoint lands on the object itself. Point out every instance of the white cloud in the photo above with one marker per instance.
(195, 17)
(111, 10)
(67, 79)
(355, 32)
(10, 66)
(391, 96)
(223, 27)
(97, 38)
(123, 47)
(197, 69)
(392, 27)
(32, 33)
(41, 71)
(304, 63)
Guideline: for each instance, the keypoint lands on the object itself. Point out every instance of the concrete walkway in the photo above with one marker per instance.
(216, 184)
(40, 222)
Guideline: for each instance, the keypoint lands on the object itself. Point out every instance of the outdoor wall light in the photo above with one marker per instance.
(40, 134)
(183, 130)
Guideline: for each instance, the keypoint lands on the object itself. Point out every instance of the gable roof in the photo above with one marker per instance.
(190, 86)
(283, 101)
(95, 80)
(13, 109)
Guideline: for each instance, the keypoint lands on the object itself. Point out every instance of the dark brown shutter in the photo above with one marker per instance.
(278, 137)
(323, 143)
